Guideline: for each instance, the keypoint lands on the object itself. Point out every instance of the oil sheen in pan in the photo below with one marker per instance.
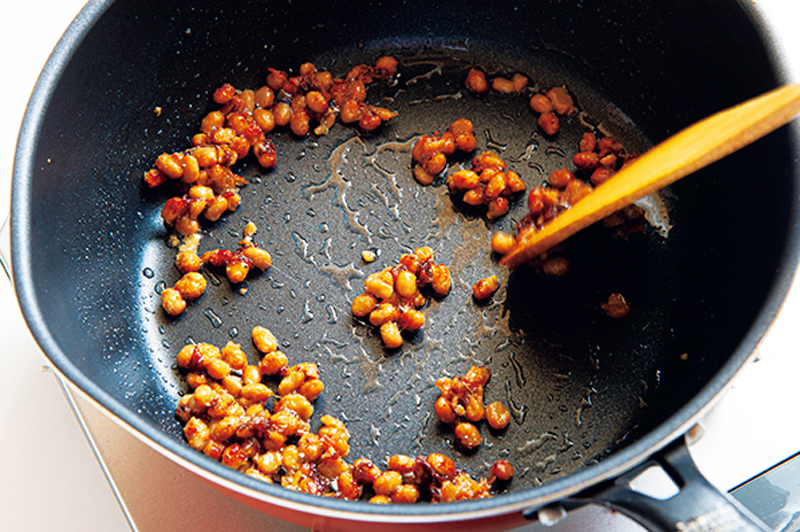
(334, 196)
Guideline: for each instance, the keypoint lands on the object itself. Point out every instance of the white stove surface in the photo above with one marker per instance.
(51, 480)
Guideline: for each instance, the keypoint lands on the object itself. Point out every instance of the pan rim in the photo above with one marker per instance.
(523, 499)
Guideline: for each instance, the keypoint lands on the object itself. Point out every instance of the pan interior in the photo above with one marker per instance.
(334, 196)
(579, 384)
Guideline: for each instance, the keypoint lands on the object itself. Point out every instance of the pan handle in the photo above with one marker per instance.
(5, 248)
(697, 507)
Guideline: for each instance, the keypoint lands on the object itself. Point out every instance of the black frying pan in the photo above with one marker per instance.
(590, 396)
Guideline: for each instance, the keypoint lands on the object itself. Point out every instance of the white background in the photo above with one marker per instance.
(49, 479)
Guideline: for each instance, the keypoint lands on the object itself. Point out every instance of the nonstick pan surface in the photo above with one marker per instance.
(587, 393)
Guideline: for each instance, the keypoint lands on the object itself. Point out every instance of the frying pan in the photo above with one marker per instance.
(592, 398)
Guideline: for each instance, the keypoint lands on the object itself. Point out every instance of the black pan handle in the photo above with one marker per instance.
(697, 507)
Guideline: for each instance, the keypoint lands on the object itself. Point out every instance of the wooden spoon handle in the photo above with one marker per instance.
(693, 148)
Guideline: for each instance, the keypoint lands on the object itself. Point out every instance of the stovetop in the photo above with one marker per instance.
(66, 466)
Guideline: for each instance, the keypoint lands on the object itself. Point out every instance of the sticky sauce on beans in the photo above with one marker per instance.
(478, 83)
(616, 306)
(392, 297)
(550, 105)
(596, 161)
(490, 183)
(461, 405)
(484, 288)
(201, 177)
(430, 152)
(192, 285)
(235, 414)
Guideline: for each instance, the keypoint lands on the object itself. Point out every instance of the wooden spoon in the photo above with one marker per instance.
(693, 148)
